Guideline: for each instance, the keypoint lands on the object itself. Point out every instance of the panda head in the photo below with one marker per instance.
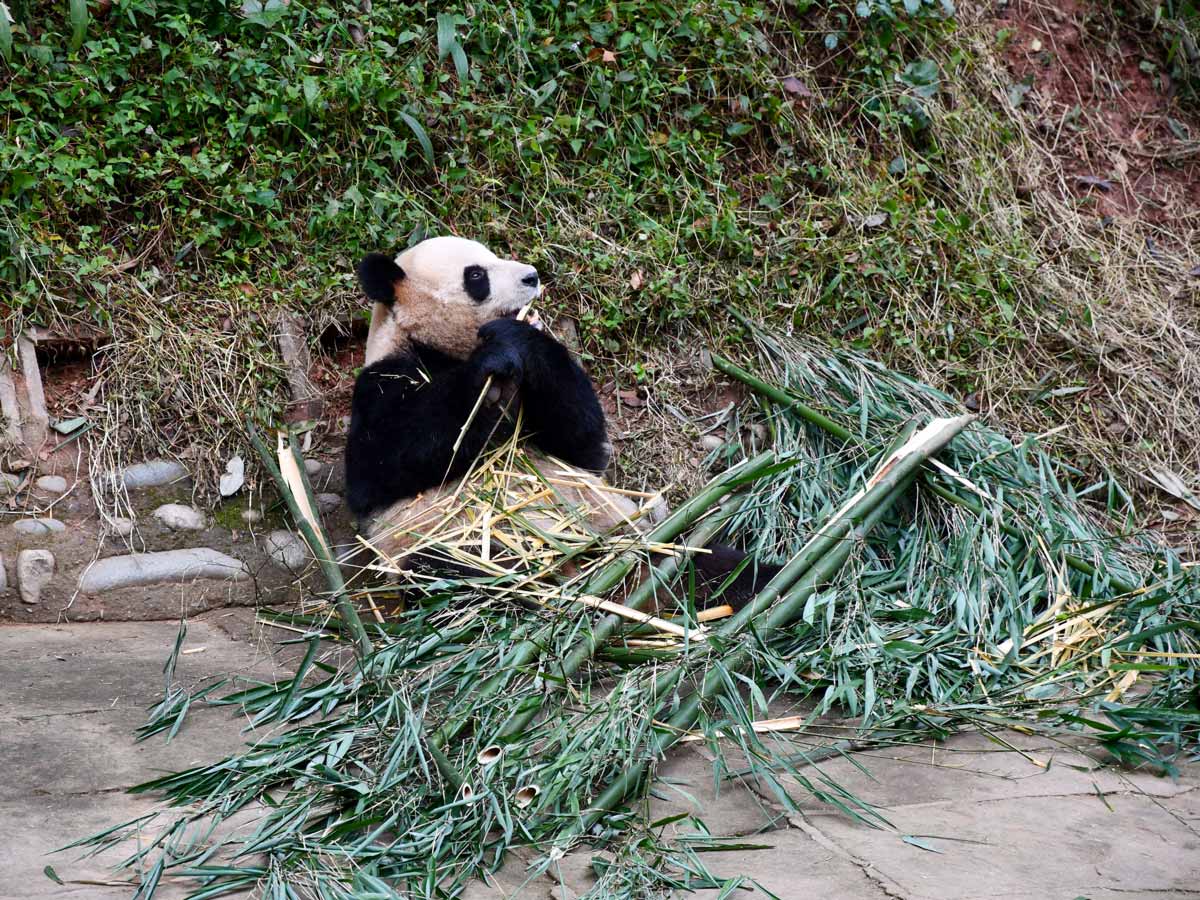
(439, 293)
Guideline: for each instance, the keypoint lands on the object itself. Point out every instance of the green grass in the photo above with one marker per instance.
(838, 169)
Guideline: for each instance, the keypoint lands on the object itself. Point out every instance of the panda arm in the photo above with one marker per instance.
(560, 412)
(405, 418)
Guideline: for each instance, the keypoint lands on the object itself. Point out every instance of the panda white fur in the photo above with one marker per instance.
(445, 321)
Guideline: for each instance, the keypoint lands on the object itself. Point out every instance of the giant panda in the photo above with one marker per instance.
(444, 321)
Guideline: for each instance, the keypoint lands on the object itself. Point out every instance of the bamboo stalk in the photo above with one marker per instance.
(889, 483)
(318, 543)
(822, 421)
(605, 580)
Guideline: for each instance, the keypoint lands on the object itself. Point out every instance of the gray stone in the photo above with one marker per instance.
(711, 442)
(54, 484)
(181, 518)
(34, 570)
(234, 477)
(327, 503)
(313, 467)
(121, 526)
(287, 549)
(9, 484)
(166, 566)
(154, 473)
(38, 527)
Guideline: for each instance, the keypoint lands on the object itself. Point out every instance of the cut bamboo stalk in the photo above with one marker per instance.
(889, 483)
(642, 618)
(608, 578)
(825, 423)
(314, 536)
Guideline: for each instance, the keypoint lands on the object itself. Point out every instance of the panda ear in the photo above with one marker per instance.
(378, 274)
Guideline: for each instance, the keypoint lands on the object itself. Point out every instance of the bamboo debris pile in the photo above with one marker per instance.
(935, 577)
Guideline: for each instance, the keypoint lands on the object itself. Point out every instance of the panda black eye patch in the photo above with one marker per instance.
(475, 283)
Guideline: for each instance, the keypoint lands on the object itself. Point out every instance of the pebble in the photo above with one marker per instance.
(327, 503)
(9, 484)
(251, 515)
(121, 526)
(234, 477)
(181, 518)
(154, 473)
(38, 527)
(313, 467)
(34, 570)
(711, 442)
(54, 484)
(287, 549)
(172, 566)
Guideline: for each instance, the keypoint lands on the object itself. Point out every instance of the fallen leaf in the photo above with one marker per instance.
(874, 220)
(631, 398)
(1175, 486)
(1094, 181)
(795, 86)
(66, 426)
(1018, 91)
(635, 280)
(608, 56)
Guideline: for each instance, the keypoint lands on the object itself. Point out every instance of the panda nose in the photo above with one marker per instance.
(531, 279)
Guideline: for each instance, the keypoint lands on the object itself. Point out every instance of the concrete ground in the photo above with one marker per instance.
(980, 821)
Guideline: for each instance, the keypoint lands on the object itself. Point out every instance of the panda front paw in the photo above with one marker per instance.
(502, 349)
(498, 361)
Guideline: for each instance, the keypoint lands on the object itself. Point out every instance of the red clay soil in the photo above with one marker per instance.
(1105, 103)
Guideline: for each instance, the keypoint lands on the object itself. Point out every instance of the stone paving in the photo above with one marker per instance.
(982, 821)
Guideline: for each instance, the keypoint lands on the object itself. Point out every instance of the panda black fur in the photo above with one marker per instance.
(442, 324)
(409, 405)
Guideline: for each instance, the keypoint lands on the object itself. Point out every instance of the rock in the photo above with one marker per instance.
(327, 503)
(38, 527)
(154, 473)
(711, 442)
(121, 526)
(170, 566)
(234, 477)
(9, 484)
(54, 484)
(34, 570)
(287, 549)
(251, 515)
(313, 467)
(178, 517)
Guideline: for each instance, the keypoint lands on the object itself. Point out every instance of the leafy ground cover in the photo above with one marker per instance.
(876, 176)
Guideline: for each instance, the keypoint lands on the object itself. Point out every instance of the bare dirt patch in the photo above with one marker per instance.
(1106, 106)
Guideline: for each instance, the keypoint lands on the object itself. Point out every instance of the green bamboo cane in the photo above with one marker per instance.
(611, 575)
(661, 574)
(822, 421)
(317, 542)
(891, 482)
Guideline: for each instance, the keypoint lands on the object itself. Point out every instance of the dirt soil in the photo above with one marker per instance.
(1106, 106)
